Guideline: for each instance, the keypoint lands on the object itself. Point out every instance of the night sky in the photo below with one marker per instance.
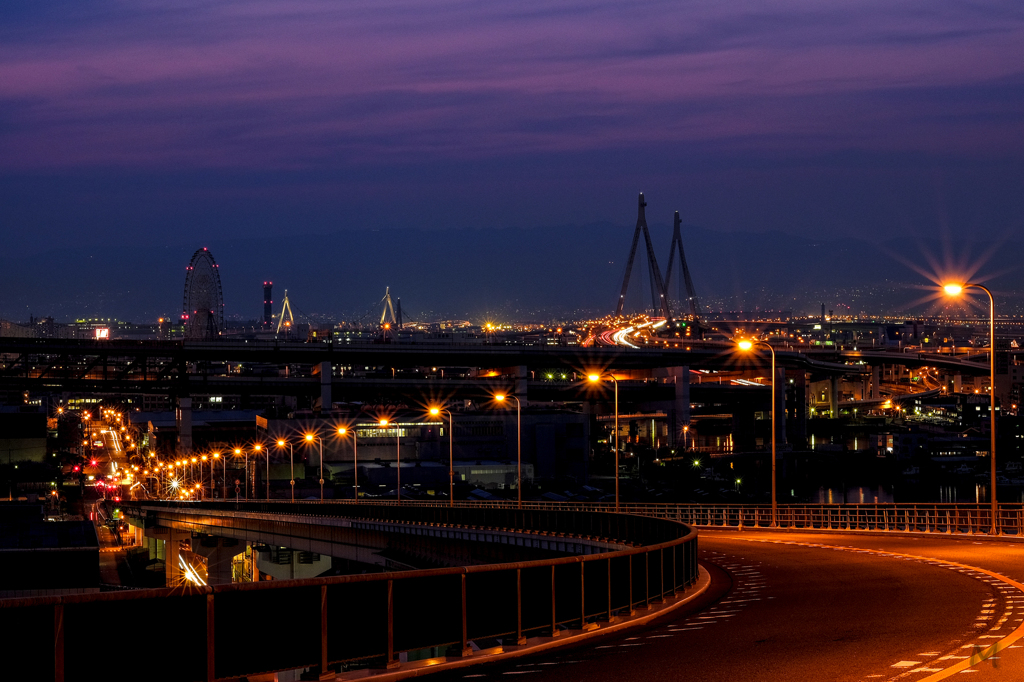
(150, 128)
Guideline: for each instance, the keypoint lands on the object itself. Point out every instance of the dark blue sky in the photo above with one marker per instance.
(140, 125)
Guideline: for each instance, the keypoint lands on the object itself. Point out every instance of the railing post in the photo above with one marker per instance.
(520, 640)
(391, 662)
(630, 610)
(554, 620)
(324, 673)
(58, 642)
(661, 567)
(583, 602)
(675, 575)
(647, 579)
(608, 584)
(211, 653)
(466, 650)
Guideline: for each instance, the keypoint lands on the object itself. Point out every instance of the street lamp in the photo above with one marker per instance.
(519, 446)
(291, 456)
(204, 458)
(596, 378)
(355, 460)
(954, 289)
(310, 437)
(240, 451)
(257, 448)
(451, 452)
(213, 460)
(398, 455)
(746, 346)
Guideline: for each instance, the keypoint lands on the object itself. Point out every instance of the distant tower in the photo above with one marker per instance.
(388, 320)
(203, 301)
(286, 310)
(688, 305)
(659, 299)
(268, 304)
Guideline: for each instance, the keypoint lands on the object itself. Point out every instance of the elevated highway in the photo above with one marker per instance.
(234, 367)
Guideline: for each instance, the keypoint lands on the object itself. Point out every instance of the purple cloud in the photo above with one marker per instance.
(290, 85)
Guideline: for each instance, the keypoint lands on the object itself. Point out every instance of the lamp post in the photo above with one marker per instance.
(519, 446)
(398, 457)
(747, 346)
(291, 457)
(954, 289)
(240, 451)
(355, 460)
(213, 460)
(257, 448)
(451, 452)
(203, 458)
(595, 378)
(310, 437)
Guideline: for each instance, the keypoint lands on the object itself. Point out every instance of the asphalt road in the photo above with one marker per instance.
(798, 607)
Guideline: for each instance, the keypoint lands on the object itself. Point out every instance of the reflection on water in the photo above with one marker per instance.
(947, 494)
(964, 492)
(854, 495)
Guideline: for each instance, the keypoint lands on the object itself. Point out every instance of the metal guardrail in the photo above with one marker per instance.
(949, 518)
(230, 631)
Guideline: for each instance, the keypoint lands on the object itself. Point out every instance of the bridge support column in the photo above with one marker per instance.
(520, 393)
(779, 407)
(681, 406)
(798, 435)
(172, 554)
(326, 377)
(833, 397)
(743, 423)
(219, 553)
(876, 382)
(183, 417)
(958, 383)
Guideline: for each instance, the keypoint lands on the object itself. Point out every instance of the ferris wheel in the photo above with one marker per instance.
(203, 302)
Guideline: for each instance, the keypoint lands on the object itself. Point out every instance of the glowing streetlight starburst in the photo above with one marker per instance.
(953, 289)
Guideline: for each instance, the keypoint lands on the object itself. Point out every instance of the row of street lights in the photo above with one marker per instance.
(745, 345)
(951, 289)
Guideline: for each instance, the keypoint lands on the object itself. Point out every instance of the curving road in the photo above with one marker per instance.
(788, 606)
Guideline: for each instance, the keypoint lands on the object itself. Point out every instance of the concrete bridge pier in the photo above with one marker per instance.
(522, 374)
(325, 370)
(833, 397)
(743, 424)
(183, 417)
(167, 546)
(779, 381)
(798, 433)
(876, 381)
(218, 552)
(681, 407)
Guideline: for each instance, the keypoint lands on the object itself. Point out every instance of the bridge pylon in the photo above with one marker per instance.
(389, 322)
(286, 309)
(659, 297)
(688, 305)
